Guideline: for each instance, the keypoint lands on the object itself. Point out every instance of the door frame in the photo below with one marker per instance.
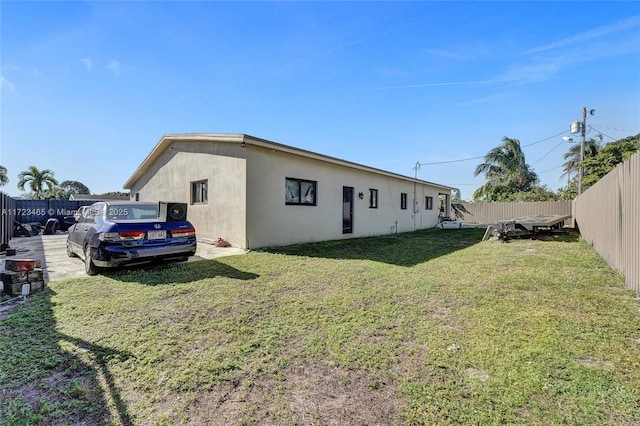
(347, 209)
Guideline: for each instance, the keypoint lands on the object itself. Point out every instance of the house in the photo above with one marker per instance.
(91, 197)
(257, 193)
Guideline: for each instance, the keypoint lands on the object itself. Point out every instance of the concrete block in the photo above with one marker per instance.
(19, 265)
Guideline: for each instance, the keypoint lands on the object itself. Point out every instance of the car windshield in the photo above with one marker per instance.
(132, 212)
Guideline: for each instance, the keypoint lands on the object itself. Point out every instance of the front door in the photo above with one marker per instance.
(347, 209)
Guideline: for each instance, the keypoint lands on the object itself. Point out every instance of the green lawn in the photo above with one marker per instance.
(431, 327)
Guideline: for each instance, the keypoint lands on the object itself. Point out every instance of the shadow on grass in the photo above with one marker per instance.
(406, 249)
(48, 377)
(176, 273)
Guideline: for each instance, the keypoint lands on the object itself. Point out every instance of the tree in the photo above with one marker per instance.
(456, 195)
(117, 193)
(506, 172)
(37, 179)
(570, 191)
(572, 165)
(69, 187)
(537, 193)
(3, 176)
(608, 157)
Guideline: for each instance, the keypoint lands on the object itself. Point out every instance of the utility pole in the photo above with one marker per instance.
(582, 130)
(415, 194)
(582, 133)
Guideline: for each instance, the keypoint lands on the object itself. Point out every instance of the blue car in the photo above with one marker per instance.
(113, 234)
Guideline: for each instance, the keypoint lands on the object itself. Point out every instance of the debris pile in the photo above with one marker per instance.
(19, 273)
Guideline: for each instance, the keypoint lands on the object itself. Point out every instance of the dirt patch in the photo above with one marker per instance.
(335, 396)
(477, 374)
(594, 363)
(56, 396)
(6, 309)
(301, 394)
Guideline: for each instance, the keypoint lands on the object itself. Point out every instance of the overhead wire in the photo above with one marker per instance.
(619, 130)
(603, 134)
(482, 156)
(551, 169)
(523, 146)
(552, 149)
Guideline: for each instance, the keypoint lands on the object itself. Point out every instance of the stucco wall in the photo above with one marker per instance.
(271, 222)
(169, 179)
(246, 193)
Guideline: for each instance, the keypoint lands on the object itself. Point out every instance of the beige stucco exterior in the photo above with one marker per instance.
(246, 186)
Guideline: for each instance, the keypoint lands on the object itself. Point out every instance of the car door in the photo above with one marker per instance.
(79, 230)
(74, 229)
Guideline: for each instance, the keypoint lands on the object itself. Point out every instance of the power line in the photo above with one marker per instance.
(553, 149)
(603, 134)
(482, 156)
(616, 129)
(543, 140)
(462, 184)
(551, 169)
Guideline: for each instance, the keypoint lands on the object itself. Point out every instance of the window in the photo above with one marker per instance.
(373, 198)
(299, 192)
(199, 192)
(428, 203)
(403, 201)
(90, 212)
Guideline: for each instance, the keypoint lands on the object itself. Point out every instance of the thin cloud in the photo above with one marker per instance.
(450, 83)
(446, 54)
(114, 66)
(540, 70)
(592, 34)
(459, 53)
(322, 53)
(88, 64)
(492, 98)
(6, 85)
(546, 66)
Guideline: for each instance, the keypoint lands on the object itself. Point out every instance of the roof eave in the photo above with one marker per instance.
(239, 138)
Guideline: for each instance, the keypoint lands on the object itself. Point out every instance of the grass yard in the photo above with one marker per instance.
(431, 327)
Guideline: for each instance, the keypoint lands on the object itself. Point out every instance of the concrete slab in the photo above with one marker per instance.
(52, 253)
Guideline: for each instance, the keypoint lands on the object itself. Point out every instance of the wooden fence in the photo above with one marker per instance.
(607, 215)
(488, 213)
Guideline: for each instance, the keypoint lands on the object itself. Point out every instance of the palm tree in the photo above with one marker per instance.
(3, 176)
(572, 156)
(506, 172)
(37, 179)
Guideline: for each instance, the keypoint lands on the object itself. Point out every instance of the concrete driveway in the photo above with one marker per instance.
(52, 253)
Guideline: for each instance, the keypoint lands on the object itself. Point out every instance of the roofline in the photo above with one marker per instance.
(240, 138)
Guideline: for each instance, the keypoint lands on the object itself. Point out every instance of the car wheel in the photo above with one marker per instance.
(70, 251)
(89, 267)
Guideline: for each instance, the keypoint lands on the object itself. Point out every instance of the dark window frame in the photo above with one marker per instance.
(200, 191)
(428, 203)
(300, 186)
(403, 201)
(373, 198)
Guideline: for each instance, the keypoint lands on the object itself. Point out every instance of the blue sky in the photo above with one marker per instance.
(88, 88)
